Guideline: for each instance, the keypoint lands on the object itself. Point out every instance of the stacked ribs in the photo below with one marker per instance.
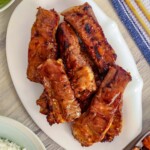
(76, 65)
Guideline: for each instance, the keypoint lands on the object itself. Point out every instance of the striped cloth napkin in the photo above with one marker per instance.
(135, 14)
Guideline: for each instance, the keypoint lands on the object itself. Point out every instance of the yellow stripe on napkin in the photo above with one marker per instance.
(139, 18)
(144, 10)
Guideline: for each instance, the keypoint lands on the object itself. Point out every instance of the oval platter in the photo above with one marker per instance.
(18, 37)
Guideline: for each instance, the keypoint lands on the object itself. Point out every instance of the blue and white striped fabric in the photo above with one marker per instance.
(139, 35)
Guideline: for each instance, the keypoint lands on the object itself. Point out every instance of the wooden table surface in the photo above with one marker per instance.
(10, 104)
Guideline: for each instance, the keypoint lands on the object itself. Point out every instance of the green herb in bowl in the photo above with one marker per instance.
(4, 3)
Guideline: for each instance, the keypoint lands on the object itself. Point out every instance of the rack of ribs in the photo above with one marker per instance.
(62, 104)
(93, 125)
(79, 71)
(90, 32)
(43, 43)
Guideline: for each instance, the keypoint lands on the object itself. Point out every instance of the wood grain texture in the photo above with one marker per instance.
(10, 104)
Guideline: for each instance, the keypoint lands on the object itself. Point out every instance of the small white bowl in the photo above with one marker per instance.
(19, 134)
(6, 6)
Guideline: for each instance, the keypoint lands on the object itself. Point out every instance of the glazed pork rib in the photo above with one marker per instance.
(93, 125)
(43, 43)
(79, 71)
(62, 104)
(92, 36)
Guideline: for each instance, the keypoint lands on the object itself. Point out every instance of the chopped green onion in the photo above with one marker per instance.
(4, 3)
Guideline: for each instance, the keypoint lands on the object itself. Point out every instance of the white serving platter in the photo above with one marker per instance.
(18, 37)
